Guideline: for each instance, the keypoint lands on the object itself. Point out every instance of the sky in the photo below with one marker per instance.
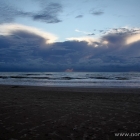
(60, 35)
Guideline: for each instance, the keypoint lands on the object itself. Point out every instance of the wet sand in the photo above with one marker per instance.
(41, 113)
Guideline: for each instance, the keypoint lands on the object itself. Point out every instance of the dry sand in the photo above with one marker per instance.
(40, 113)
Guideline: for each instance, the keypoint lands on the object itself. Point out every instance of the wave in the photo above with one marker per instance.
(21, 77)
(63, 78)
(34, 77)
(70, 78)
(36, 74)
(122, 78)
(100, 78)
(4, 77)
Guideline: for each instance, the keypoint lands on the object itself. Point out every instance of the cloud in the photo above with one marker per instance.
(8, 12)
(127, 34)
(132, 39)
(20, 50)
(115, 37)
(89, 40)
(79, 16)
(96, 12)
(49, 12)
(84, 32)
(91, 34)
(9, 29)
(118, 36)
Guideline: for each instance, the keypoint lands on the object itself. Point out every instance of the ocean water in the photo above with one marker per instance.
(72, 79)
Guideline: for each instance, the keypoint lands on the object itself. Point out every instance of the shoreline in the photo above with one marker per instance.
(40, 113)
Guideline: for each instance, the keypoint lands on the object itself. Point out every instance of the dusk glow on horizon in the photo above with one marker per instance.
(82, 35)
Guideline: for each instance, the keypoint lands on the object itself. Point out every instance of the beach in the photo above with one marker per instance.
(68, 113)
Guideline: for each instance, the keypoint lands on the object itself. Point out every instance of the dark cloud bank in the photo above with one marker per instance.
(24, 51)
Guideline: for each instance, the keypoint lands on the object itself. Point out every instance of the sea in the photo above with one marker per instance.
(72, 79)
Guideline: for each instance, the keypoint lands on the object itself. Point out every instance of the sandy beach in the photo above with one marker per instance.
(47, 113)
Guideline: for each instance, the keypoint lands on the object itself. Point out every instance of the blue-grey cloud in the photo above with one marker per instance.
(7, 12)
(48, 14)
(96, 12)
(23, 51)
(79, 16)
(91, 34)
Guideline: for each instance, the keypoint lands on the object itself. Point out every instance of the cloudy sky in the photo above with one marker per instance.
(57, 35)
